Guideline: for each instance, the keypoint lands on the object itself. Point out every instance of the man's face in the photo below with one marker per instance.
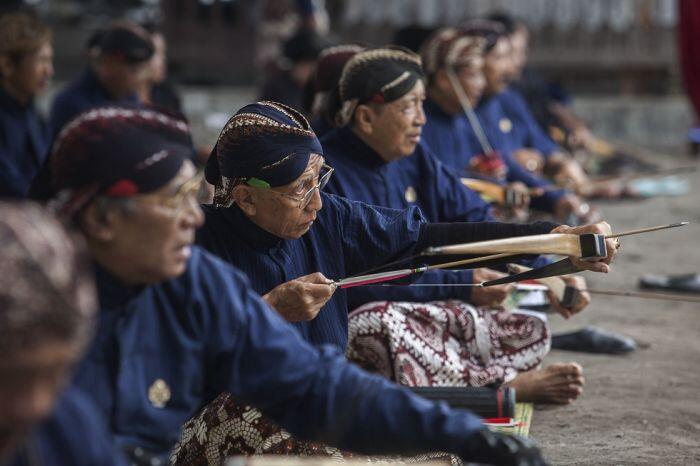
(32, 74)
(519, 51)
(498, 66)
(472, 79)
(151, 241)
(397, 126)
(277, 210)
(30, 382)
(125, 79)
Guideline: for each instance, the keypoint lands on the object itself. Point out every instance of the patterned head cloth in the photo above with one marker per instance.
(379, 75)
(123, 39)
(328, 70)
(330, 65)
(267, 141)
(491, 31)
(117, 151)
(451, 47)
(47, 293)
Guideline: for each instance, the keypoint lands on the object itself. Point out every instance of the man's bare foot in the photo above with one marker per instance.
(559, 383)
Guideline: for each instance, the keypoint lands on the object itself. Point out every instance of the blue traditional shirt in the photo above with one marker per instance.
(419, 180)
(74, 434)
(162, 352)
(24, 141)
(346, 238)
(81, 94)
(526, 131)
(453, 140)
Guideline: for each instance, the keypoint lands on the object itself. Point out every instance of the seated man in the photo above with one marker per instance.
(450, 133)
(270, 219)
(379, 160)
(46, 316)
(25, 71)
(506, 119)
(119, 65)
(177, 326)
(328, 69)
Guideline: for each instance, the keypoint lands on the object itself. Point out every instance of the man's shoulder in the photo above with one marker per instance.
(203, 264)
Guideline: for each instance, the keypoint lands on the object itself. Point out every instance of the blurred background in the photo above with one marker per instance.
(618, 59)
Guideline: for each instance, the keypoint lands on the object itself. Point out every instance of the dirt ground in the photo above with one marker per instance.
(643, 408)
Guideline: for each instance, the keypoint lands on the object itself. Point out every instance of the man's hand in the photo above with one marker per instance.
(583, 297)
(517, 195)
(601, 228)
(570, 207)
(492, 295)
(568, 173)
(531, 159)
(302, 298)
(486, 447)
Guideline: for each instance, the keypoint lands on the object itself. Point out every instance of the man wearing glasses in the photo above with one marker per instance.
(177, 327)
(270, 219)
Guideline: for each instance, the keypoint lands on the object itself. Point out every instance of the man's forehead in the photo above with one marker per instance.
(417, 90)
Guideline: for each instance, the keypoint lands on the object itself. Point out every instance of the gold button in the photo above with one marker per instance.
(159, 393)
(505, 125)
(410, 194)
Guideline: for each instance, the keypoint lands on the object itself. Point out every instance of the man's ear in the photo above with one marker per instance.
(245, 198)
(363, 119)
(98, 223)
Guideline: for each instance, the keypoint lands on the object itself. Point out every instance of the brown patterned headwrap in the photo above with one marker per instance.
(451, 47)
(46, 292)
(379, 75)
(268, 141)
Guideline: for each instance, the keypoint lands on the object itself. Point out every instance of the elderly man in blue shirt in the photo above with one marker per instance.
(270, 218)
(25, 71)
(177, 326)
(118, 66)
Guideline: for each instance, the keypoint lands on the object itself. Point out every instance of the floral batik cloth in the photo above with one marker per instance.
(225, 428)
(446, 343)
(416, 344)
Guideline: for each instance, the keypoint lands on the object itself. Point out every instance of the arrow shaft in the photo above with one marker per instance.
(645, 295)
(646, 230)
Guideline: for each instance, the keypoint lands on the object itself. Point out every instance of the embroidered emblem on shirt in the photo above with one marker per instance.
(410, 194)
(505, 125)
(159, 393)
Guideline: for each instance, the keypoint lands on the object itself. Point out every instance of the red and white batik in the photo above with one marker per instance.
(445, 343)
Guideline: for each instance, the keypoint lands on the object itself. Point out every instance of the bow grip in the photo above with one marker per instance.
(593, 246)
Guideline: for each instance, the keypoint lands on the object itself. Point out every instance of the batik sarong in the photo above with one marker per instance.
(416, 344)
(225, 428)
(446, 343)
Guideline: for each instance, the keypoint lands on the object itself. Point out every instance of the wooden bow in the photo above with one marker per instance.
(585, 246)
(503, 195)
(566, 266)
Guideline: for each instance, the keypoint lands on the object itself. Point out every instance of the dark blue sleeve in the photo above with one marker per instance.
(63, 109)
(75, 434)
(536, 137)
(372, 235)
(314, 392)
(453, 201)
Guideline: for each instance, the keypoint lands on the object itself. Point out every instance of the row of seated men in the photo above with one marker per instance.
(200, 316)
